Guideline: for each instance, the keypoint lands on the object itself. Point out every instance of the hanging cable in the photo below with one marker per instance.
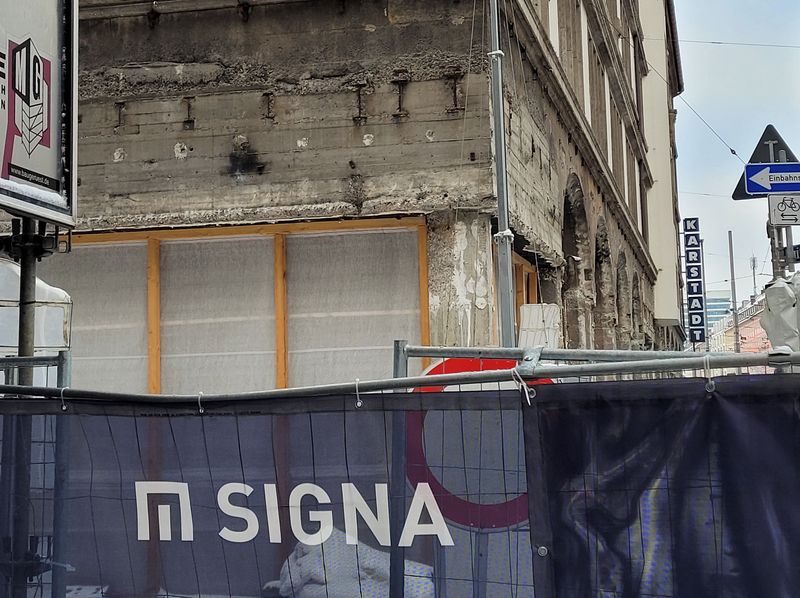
(680, 97)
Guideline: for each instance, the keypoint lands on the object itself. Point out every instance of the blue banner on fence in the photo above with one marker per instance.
(664, 489)
(631, 489)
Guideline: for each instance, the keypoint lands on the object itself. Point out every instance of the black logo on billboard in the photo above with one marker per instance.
(2, 80)
(30, 82)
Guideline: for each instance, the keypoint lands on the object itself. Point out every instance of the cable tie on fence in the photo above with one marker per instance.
(522, 386)
(710, 386)
(200, 407)
(63, 404)
(359, 402)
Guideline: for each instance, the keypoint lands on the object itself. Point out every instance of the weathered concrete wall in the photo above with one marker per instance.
(461, 279)
(325, 109)
(305, 110)
(548, 172)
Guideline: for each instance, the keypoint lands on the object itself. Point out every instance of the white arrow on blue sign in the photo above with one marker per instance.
(780, 177)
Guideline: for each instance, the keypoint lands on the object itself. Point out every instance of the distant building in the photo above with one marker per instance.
(718, 306)
(752, 337)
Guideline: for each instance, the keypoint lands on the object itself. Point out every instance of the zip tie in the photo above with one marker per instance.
(63, 404)
(359, 402)
(494, 53)
(502, 235)
(200, 407)
(710, 386)
(522, 386)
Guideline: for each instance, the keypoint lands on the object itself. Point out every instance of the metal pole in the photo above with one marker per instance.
(736, 341)
(774, 233)
(22, 443)
(547, 354)
(504, 237)
(715, 360)
(60, 514)
(789, 237)
(397, 483)
(705, 296)
(6, 480)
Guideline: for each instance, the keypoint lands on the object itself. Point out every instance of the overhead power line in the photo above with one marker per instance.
(680, 97)
(712, 42)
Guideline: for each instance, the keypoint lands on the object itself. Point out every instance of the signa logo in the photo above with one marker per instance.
(353, 505)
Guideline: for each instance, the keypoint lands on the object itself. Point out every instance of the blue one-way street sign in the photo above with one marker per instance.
(772, 178)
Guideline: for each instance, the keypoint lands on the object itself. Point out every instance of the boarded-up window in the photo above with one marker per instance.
(108, 286)
(350, 296)
(217, 315)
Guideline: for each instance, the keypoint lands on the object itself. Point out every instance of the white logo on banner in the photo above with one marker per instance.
(179, 489)
(353, 504)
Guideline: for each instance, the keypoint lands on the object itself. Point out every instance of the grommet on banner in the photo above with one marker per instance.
(359, 402)
(63, 404)
(710, 386)
(200, 407)
(522, 386)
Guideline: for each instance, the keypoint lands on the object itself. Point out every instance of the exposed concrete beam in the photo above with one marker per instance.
(109, 9)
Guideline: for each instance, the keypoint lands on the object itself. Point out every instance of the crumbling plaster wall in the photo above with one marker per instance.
(544, 162)
(325, 109)
(319, 109)
(461, 279)
(306, 110)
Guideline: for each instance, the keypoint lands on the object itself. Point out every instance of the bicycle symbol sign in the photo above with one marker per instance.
(784, 210)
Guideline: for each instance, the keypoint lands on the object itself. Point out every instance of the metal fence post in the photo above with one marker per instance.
(60, 485)
(397, 483)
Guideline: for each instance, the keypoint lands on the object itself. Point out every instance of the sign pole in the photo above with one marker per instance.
(22, 437)
(736, 341)
(773, 232)
(504, 236)
(705, 299)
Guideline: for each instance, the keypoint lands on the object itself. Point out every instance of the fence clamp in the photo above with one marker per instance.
(530, 359)
(525, 370)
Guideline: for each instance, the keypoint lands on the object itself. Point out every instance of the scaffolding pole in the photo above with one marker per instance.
(527, 370)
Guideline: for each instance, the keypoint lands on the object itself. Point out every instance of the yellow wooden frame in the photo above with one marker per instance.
(523, 291)
(278, 232)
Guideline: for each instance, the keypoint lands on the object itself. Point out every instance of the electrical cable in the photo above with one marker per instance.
(728, 43)
(680, 97)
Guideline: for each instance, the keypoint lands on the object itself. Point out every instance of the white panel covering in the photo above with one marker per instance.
(53, 313)
(217, 315)
(108, 285)
(350, 295)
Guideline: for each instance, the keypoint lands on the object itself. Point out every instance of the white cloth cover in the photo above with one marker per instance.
(53, 312)
(780, 318)
(332, 571)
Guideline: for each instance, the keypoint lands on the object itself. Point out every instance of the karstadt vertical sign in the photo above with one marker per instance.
(38, 120)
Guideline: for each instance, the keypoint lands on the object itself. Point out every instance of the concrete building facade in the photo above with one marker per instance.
(274, 190)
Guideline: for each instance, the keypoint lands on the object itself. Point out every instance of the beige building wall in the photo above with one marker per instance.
(659, 86)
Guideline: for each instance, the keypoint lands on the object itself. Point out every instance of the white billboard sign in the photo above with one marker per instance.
(38, 108)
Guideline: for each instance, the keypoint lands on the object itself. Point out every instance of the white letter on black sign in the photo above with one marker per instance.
(423, 498)
(377, 522)
(324, 518)
(224, 501)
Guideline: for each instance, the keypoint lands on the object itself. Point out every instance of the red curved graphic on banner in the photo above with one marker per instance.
(455, 508)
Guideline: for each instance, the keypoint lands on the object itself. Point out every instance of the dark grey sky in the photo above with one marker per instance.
(739, 90)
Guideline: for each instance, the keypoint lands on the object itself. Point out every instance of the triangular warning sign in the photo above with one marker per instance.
(761, 155)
